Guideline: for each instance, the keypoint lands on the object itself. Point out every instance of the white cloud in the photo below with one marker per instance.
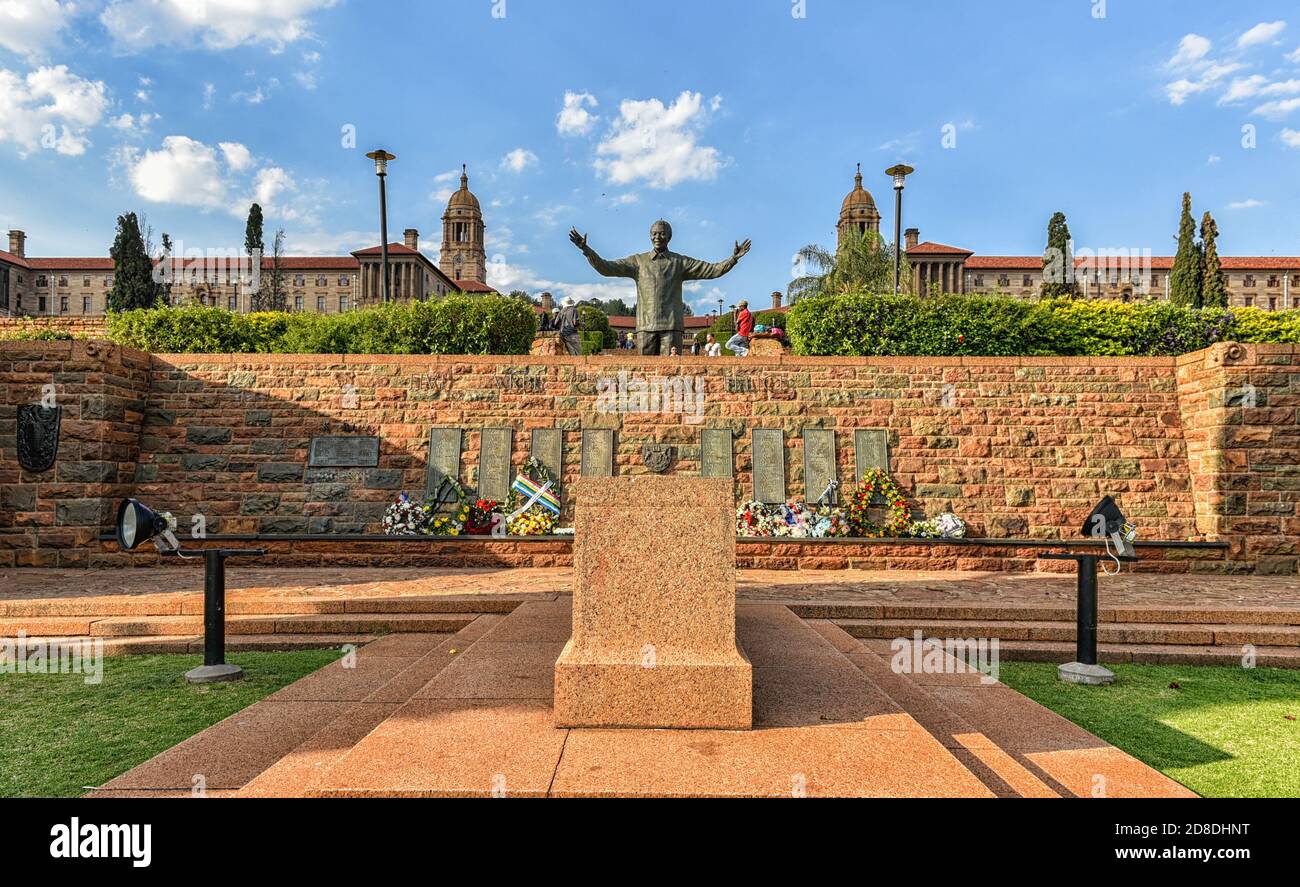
(1294, 57)
(1243, 88)
(184, 172)
(575, 119)
(132, 124)
(1180, 90)
(658, 144)
(238, 157)
(187, 172)
(1264, 32)
(1291, 138)
(209, 96)
(50, 108)
(1192, 48)
(1245, 204)
(1213, 159)
(1278, 109)
(519, 160)
(270, 184)
(31, 27)
(216, 24)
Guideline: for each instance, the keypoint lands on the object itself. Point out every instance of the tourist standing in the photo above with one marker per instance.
(712, 348)
(739, 343)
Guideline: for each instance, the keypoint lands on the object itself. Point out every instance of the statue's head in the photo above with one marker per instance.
(661, 234)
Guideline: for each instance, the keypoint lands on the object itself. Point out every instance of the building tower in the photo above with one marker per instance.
(859, 214)
(464, 256)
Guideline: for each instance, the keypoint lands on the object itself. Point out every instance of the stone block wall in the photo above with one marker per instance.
(1241, 417)
(1020, 447)
(55, 518)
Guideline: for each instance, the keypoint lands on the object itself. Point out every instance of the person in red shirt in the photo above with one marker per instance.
(739, 343)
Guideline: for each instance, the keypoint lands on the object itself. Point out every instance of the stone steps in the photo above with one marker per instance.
(1063, 612)
(103, 607)
(1130, 633)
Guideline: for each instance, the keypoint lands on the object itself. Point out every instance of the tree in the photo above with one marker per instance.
(1186, 277)
(270, 294)
(1214, 286)
(862, 264)
(168, 268)
(134, 285)
(1058, 260)
(253, 242)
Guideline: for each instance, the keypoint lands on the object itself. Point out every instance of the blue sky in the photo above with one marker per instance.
(732, 118)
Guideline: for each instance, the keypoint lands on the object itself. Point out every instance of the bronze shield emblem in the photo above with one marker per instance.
(658, 457)
(38, 437)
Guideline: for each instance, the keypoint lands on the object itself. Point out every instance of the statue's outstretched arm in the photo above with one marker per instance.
(619, 268)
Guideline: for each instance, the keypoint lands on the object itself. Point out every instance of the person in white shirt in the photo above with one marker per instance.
(712, 349)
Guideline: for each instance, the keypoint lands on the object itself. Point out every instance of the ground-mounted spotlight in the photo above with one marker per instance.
(1108, 524)
(138, 524)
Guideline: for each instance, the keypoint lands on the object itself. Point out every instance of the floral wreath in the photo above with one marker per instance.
(536, 521)
(878, 482)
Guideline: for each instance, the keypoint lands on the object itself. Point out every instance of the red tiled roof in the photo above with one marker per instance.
(104, 264)
(930, 248)
(394, 249)
(11, 259)
(626, 322)
(1156, 263)
(472, 286)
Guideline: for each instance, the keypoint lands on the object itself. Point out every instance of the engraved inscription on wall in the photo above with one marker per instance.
(769, 466)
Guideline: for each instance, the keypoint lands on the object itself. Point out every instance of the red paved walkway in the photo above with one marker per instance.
(470, 714)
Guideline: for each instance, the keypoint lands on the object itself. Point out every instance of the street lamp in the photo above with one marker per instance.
(719, 309)
(899, 173)
(381, 158)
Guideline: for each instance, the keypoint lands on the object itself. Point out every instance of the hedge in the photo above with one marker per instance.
(455, 324)
(995, 326)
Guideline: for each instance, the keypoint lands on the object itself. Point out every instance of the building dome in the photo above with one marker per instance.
(464, 198)
(859, 197)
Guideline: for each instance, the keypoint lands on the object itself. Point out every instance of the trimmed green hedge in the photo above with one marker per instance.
(456, 324)
(995, 326)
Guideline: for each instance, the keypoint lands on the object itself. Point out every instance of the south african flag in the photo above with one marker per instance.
(528, 488)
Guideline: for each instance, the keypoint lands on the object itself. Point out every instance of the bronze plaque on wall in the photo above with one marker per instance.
(445, 446)
(496, 452)
(717, 453)
(548, 448)
(819, 470)
(598, 453)
(344, 452)
(769, 466)
(871, 450)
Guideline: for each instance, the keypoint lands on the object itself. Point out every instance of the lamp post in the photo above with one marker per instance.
(381, 158)
(899, 173)
(719, 309)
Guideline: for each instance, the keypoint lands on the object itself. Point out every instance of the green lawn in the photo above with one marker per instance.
(1223, 733)
(58, 735)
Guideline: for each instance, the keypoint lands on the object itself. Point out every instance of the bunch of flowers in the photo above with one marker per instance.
(537, 520)
(481, 517)
(534, 522)
(413, 517)
(878, 483)
(794, 520)
(945, 526)
(406, 517)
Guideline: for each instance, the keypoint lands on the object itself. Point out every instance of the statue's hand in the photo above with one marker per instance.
(742, 249)
(579, 240)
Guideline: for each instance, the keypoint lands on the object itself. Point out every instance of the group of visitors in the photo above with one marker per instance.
(737, 344)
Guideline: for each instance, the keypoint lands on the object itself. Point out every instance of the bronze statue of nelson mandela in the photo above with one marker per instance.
(659, 275)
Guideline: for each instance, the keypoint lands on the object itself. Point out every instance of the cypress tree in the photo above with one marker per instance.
(134, 285)
(1214, 288)
(1185, 278)
(1058, 260)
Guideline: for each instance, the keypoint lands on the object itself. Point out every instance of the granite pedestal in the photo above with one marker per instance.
(654, 609)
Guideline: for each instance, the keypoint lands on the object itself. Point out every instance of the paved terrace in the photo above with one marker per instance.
(470, 714)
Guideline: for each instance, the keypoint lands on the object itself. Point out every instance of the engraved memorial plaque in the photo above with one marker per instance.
(496, 450)
(769, 466)
(819, 464)
(548, 448)
(717, 453)
(445, 445)
(598, 453)
(344, 452)
(871, 449)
